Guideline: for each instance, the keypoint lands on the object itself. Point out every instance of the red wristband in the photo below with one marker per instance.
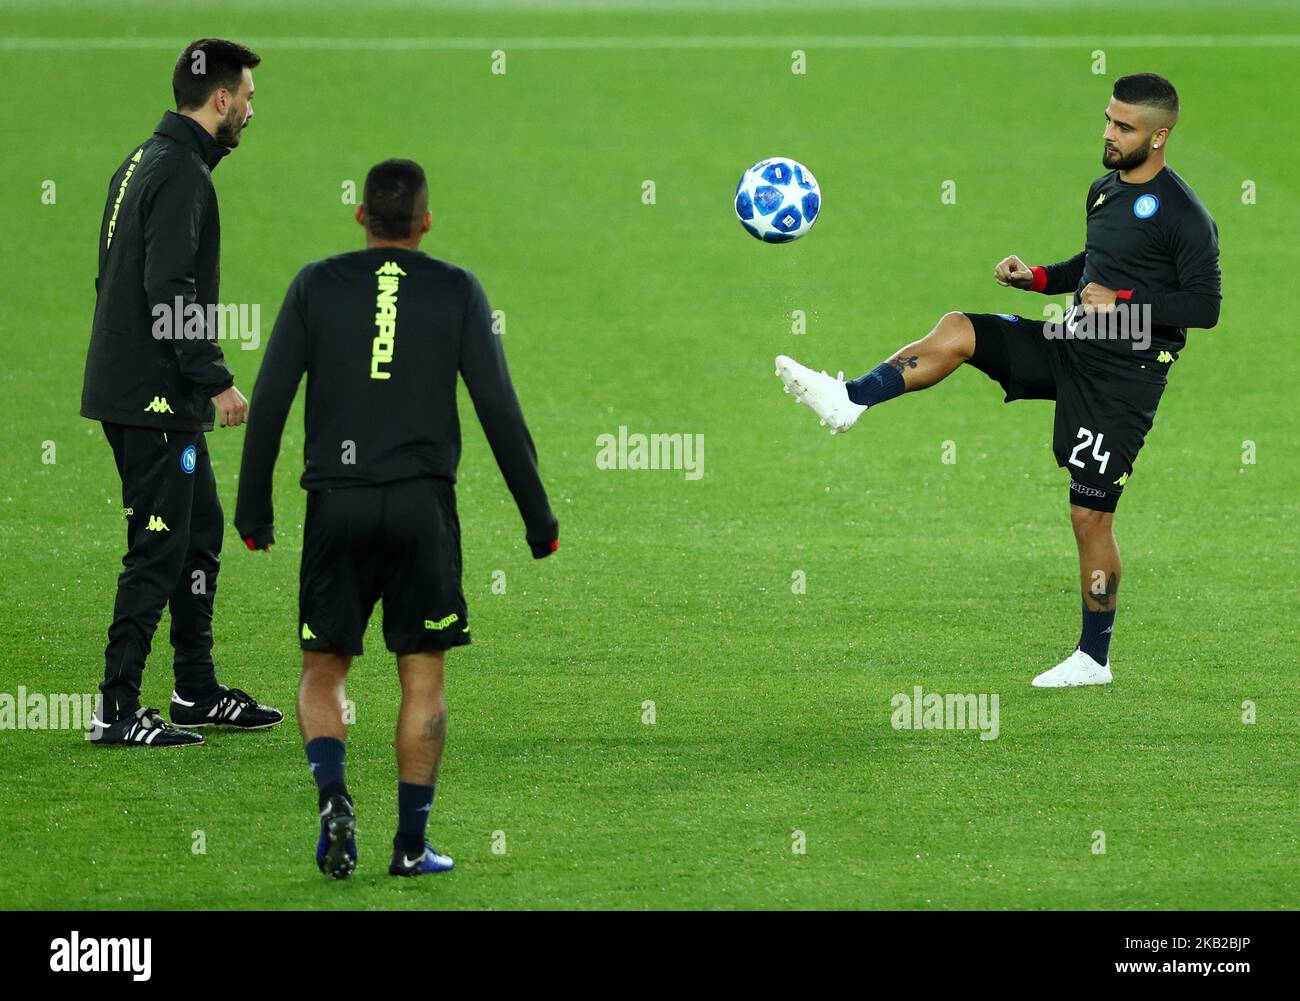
(1040, 279)
(1124, 293)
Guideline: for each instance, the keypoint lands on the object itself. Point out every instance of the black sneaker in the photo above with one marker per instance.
(143, 728)
(422, 863)
(226, 707)
(336, 849)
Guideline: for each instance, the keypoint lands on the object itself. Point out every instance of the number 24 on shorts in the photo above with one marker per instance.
(1086, 439)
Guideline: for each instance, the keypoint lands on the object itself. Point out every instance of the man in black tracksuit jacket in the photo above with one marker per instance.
(155, 376)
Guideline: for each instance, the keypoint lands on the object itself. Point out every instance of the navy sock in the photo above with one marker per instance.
(882, 383)
(1095, 638)
(325, 755)
(414, 803)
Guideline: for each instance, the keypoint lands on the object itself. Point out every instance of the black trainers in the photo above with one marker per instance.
(143, 728)
(226, 707)
(429, 860)
(336, 848)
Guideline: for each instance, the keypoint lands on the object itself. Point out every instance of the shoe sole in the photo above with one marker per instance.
(338, 864)
(140, 743)
(228, 726)
(420, 872)
(1071, 684)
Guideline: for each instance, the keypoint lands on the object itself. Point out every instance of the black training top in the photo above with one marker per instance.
(159, 242)
(1155, 244)
(382, 334)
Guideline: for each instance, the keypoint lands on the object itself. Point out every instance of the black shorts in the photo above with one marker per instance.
(1105, 405)
(400, 542)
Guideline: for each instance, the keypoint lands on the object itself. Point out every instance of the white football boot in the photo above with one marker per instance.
(829, 398)
(1077, 669)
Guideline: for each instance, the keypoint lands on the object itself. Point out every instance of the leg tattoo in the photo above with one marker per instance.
(1106, 595)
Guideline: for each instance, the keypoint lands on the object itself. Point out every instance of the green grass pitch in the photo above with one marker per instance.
(771, 708)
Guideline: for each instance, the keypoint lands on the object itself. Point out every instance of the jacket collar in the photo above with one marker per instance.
(190, 133)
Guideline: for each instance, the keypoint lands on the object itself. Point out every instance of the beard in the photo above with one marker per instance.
(231, 127)
(1116, 161)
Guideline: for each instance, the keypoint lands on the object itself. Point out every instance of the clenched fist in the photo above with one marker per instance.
(1097, 298)
(232, 408)
(1014, 272)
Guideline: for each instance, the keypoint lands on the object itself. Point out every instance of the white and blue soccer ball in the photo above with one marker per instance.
(777, 200)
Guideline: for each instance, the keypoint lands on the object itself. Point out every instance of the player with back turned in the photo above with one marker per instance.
(382, 334)
(1148, 271)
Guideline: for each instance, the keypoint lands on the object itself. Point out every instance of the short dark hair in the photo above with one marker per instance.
(221, 65)
(1149, 90)
(392, 192)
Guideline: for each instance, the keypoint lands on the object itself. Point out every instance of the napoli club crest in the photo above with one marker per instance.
(1146, 206)
(188, 458)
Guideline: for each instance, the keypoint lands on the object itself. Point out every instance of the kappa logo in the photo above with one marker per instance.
(159, 405)
(1165, 357)
(1122, 480)
(442, 623)
(156, 524)
(1100, 199)
(307, 634)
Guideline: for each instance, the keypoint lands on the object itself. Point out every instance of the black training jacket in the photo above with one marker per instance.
(160, 239)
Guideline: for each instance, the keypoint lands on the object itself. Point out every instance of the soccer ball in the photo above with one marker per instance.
(777, 200)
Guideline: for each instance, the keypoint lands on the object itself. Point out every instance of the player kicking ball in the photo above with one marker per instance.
(1149, 270)
(382, 335)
